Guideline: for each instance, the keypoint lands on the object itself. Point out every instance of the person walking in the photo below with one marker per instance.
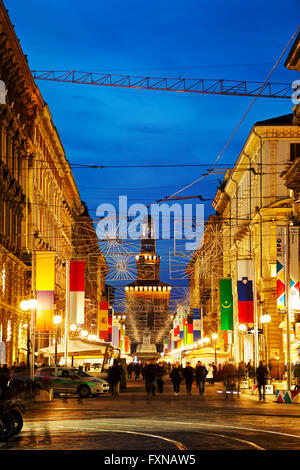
(4, 379)
(210, 374)
(251, 373)
(229, 374)
(188, 374)
(214, 373)
(297, 376)
(176, 378)
(150, 376)
(200, 373)
(137, 371)
(130, 370)
(261, 377)
(160, 373)
(114, 377)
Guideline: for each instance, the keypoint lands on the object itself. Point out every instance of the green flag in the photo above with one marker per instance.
(226, 304)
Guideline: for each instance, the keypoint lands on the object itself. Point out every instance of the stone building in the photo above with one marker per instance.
(39, 201)
(255, 200)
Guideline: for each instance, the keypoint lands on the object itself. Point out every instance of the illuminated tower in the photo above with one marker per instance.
(147, 299)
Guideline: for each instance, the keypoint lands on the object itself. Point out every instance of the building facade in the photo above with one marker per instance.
(39, 203)
(254, 201)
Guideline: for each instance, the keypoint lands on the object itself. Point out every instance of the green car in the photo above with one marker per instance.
(70, 380)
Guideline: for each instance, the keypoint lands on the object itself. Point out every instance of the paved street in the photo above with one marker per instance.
(135, 421)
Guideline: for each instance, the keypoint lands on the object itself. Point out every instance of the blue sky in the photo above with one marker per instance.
(196, 39)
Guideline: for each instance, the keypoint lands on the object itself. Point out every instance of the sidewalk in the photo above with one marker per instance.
(247, 392)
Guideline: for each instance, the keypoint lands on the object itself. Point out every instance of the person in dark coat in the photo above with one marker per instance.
(150, 376)
(261, 377)
(130, 370)
(229, 374)
(160, 373)
(200, 373)
(189, 376)
(137, 371)
(176, 377)
(297, 376)
(4, 378)
(114, 377)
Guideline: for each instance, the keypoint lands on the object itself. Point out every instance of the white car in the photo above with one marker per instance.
(70, 380)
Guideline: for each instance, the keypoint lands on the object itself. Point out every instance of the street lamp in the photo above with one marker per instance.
(56, 321)
(242, 329)
(31, 305)
(264, 320)
(215, 337)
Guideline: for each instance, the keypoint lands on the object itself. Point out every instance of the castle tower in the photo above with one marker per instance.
(147, 299)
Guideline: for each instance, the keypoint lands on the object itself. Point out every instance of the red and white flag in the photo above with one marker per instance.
(77, 291)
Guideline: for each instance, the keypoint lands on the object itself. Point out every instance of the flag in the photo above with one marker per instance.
(245, 291)
(77, 288)
(227, 337)
(190, 329)
(44, 311)
(166, 345)
(127, 345)
(294, 269)
(226, 304)
(115, 333)
(196, 324)
(110, 314)
(45, 270)
(103, 321)
(45, 280)
(281, 262)
(185, 331)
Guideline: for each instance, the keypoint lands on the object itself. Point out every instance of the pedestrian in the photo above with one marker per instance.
(241, 374)
(160, 373)
(176, 377)
(214, 373)
(137, 371)
(210, 374)
(297, 376)
(4, 379)
(229, 376)
(189, 376)
(200, 373)
(261, 377)
(130, 370)
(150, 376)
(250, 373)
(114, 377)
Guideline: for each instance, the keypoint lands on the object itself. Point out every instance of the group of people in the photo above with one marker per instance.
(154, 375)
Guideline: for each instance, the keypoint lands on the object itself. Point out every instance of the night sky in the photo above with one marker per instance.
(107, 126)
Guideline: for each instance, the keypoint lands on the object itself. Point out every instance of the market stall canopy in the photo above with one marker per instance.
(77, 348)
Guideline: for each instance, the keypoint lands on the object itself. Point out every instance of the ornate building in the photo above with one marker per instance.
(254, 201)
(39, 203)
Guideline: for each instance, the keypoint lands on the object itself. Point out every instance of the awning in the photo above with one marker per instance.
(76, 348)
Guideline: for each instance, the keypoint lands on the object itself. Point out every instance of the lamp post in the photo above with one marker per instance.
(215, 337)
(31, 305)
(56, 321)
(264, 320)
(242, 328)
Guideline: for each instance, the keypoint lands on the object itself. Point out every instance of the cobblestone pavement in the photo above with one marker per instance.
(137, 421)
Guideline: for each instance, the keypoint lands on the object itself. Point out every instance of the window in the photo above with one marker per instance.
(294, 151)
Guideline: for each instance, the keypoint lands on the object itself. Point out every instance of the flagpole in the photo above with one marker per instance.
(288, 280)
(67, 310)
(256, 353)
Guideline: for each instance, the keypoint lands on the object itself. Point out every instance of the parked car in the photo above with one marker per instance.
(70, 380)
